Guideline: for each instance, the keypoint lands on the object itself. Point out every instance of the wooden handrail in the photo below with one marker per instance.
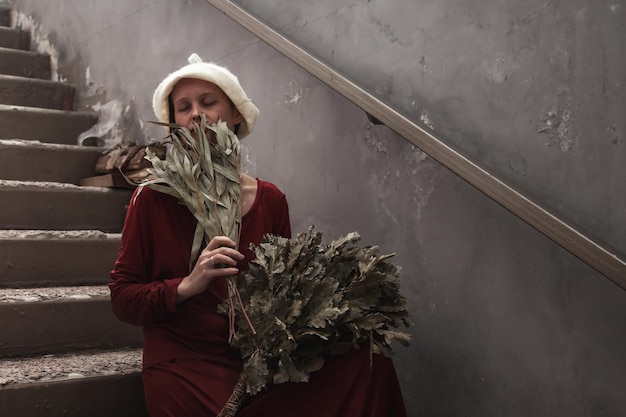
(595, 255)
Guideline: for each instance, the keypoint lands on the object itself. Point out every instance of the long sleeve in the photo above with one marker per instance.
(143, 292)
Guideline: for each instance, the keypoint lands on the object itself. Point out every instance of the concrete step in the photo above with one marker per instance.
(69, 366)
(25, 63)
(33, 92)
(29, 205)
(14, 38)
(89, 383)
(47, 258)
(37, 321)
(36, 161)
(5, 16)
(44, 125)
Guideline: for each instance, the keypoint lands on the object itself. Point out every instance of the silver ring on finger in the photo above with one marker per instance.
(212, 261)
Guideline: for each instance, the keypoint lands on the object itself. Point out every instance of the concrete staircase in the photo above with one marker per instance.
(62, 351)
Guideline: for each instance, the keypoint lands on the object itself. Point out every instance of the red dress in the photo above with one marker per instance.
(189, 369)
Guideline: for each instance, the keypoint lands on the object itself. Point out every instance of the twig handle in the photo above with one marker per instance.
(236, 399)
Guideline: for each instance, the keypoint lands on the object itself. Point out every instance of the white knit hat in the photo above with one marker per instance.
(215, 74)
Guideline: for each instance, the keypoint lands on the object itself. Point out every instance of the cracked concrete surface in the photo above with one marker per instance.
(59, 367)
(31, 295)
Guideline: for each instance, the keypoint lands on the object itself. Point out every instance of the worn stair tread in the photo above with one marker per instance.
(5, 15)
(23, 52)
(24, 63)
(10, 234)
(25, 160)
(35, 295)
(46, 125)
(59, 367)
(35, 92)
(61, 206)
(14, 38)
(61, 319)
(64, 258)
(36, 81)
(119, 395)
(51, 186)
(38, 110)
(61, 147)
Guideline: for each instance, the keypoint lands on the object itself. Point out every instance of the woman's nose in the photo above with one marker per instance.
(196, 112)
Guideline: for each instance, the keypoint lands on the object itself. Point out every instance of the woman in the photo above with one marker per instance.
(189, 368)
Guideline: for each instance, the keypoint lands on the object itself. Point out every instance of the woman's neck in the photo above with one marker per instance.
(249, 187)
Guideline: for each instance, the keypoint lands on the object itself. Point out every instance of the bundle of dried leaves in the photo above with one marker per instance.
(308, 301)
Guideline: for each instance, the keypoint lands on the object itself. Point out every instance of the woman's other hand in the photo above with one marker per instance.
(218, 259)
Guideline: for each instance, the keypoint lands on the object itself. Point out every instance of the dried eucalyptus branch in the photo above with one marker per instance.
(202, 172)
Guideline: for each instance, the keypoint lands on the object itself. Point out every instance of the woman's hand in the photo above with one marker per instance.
(218, 259)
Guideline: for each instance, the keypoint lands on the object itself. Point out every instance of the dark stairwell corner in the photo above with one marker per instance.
(62, 351)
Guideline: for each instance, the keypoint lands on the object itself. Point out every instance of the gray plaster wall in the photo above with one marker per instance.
(533, 90)
(506, 322)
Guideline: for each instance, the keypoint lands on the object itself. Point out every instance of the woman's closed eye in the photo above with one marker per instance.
(182, 106)
(185, 107)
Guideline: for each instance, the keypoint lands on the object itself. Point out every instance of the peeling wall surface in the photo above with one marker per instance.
(506, 322)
